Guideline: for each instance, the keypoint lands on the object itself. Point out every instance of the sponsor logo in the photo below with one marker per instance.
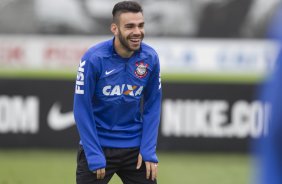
(57, 120)
(19, 114)
(214, 118)
(109, 72)
(160, 81)
(124, 89)
(141, 69)
(80, 78)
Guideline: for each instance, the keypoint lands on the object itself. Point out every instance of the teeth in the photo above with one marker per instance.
(134, 40)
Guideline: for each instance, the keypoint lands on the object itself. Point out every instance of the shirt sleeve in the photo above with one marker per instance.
(83, 114)
(151, 115)
(270, 146)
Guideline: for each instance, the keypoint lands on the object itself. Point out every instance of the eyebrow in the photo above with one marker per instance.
(131, 24)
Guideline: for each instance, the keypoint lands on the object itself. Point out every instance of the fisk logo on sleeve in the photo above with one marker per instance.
(80, 78)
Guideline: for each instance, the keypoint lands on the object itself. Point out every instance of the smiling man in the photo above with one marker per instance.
(119, 133)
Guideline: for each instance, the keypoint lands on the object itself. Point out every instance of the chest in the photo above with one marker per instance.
(124, 78)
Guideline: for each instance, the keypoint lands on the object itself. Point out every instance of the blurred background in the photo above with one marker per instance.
(214, 55)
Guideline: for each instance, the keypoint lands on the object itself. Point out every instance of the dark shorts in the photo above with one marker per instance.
(119, 161)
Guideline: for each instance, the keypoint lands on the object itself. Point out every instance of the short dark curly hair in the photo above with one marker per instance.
(125, 6)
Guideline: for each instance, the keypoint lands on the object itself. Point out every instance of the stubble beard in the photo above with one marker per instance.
(125, 42)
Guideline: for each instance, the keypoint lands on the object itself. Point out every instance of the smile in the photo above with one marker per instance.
(135, 40)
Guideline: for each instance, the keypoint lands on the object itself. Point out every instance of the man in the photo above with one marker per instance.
(270, 148)
(119, 133)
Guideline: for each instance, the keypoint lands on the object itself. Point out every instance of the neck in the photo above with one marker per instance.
(123, 52)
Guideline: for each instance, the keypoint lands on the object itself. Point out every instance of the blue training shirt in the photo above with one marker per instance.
(107, 102)
(270, 147)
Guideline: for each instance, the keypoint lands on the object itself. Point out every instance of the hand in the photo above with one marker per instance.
(100, 173)
(151, 168)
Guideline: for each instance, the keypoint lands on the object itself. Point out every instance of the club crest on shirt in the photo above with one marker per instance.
(141, 69)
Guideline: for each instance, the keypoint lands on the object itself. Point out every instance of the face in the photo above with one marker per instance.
(129, 31)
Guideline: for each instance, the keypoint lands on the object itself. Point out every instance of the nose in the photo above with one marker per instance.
(137, 30)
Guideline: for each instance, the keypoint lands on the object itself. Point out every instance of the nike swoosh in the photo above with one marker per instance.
(108, 72)
(57, 120)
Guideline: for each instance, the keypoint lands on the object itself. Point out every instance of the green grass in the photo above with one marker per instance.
(37, 74)
(174, 77)
(213, 77)
(58, 167)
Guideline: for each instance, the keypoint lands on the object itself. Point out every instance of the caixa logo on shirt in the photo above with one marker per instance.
(124, 89)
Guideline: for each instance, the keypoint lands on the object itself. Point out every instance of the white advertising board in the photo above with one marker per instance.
(177, 55)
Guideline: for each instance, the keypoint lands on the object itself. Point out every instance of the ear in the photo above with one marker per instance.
(114, 29)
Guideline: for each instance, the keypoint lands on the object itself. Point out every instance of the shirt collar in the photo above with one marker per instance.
(114, 53)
